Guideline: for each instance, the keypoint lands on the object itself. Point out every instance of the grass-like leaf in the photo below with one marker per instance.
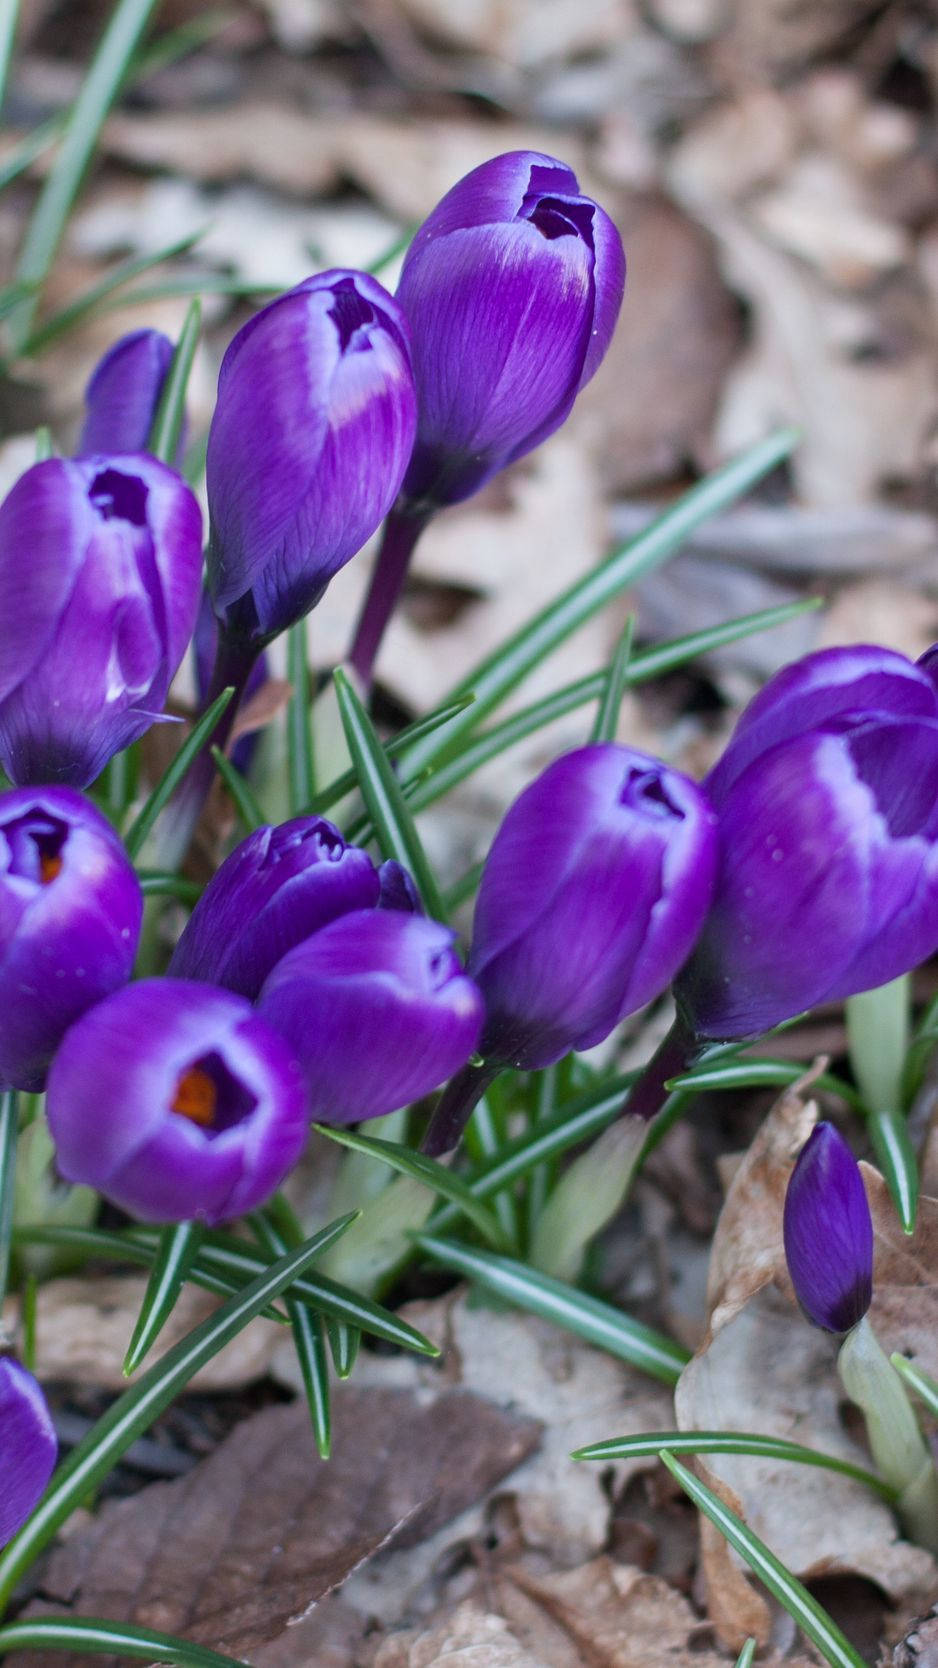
(607, 716)
(177, 1249)
(895, 1154)
(103, 1638)
(804, 1609)
(9, 17)
(11, 296)
(110, 1437)
(59, 323)
(162, 883)
(247, 807)
(500, 672)
(472, 751)
(428, 1171)
(308, 1340)
(746, 1655)
(170, 414)
(730, 1442)
(171, 778)
(344, 1342)
(100, 88)
(9, 1129)
(301, 777)
(379, 787)
(348, 781)
(925, 1387)
(734, 1073)
(597, 1322)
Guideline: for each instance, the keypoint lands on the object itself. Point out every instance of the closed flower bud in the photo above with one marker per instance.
(123, 393)
(28, 1445)
(278, 886)
(377, 1008)
(177, 1102)
(591, 898)
(311, 435)
(827, 798)
(829, 1233)
(512, 288)
(100, 561)
(70, 913)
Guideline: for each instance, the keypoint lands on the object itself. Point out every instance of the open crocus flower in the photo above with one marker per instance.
(827, 798)
(512, 287)
(378, 1010)
(28, 1446)
(591, 897)
(311, 435)
(829, 1233)
(278, 886)
(176, 1101)
(123, 393)
(70, 913)
(100, 561)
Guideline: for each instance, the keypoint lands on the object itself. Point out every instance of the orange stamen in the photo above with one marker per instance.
(195, 1097)
(49, 867)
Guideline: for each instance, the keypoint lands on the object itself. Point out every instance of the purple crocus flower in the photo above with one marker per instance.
(177, 1102)
(276, 888)
(70, 913)
(311, 435)
(100, 562)
(593, 893)
(827, 799)
(28, 1445)
(123, 393)
(829, 1233)
(378, 1010)
(512, 288)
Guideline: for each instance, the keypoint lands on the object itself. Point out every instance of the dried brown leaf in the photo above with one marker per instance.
(263, 1529)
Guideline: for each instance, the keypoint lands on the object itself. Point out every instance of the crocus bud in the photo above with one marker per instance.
(512, 288)
(377, 1009)
(829, 1233)
(177, 1102)
(28, 1445)
(311, 435)
(123, 393)
(100, 561)
(827, 798)
(278, 886)
(70, 913)
(590, 900)
(398, 890)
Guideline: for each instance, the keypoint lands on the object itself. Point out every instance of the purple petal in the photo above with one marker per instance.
(45, 523)
(124, 391)
(378, 1011)
(277, 887)
(493, 193)
(123, 1081)
(829, 1233)
(831, 684)
(593, 893)
(70, 914)
(28, 1444)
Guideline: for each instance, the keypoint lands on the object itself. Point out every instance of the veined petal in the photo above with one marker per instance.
(829, 1233)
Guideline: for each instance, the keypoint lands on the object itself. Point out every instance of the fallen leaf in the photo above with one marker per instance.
(263, 1529)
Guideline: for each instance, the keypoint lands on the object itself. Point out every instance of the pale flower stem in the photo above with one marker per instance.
(903, 1458)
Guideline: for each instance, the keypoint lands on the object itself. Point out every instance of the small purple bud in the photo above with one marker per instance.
(397, 889)
(70, 913)
(312, 432)
(378, 1010)
(28, 1445)
(827, 798)
(123, 393)
(591, 898)
(104, 608)
(512, 288)
(829, 1233)
(177, 1102)
(277, 887)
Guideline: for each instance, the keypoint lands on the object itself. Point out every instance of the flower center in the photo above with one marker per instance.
(36, 845)
(196, 1097)
(119, 497)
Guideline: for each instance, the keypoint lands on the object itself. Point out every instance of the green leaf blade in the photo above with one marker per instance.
(428, 1171)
